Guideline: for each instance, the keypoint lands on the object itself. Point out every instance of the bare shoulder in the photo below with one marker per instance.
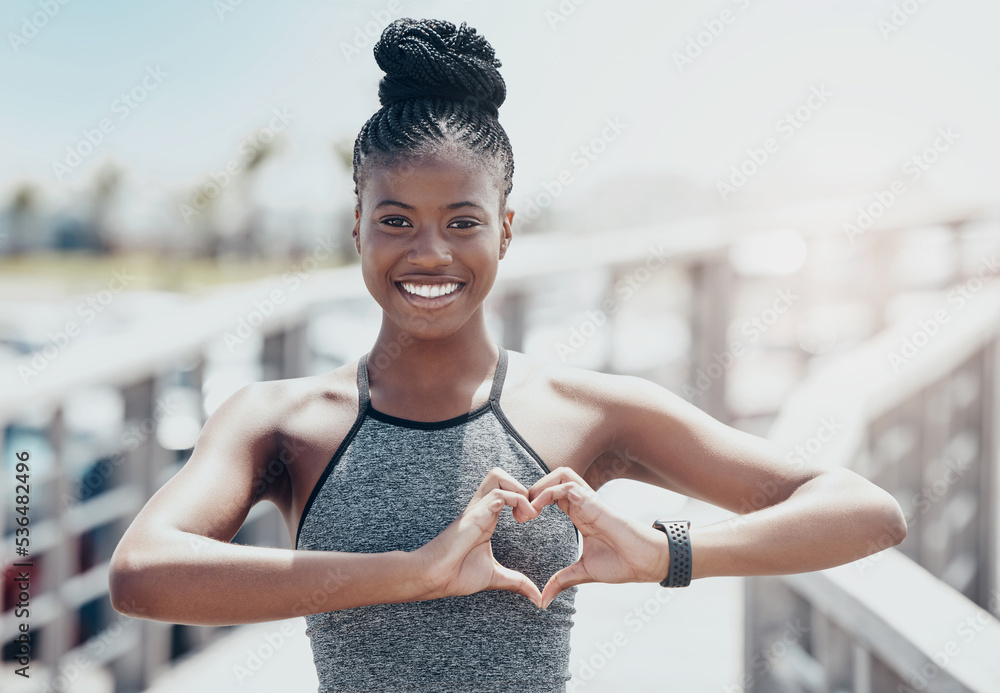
(296, 402)
(599, 423)
(280, 407)
(304, 420)
(566, 412)
(577, 388)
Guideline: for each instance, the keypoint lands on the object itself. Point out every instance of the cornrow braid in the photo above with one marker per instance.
(441, 91)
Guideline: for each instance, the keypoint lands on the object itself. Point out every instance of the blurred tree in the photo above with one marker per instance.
(251, 234)
(246, 240)
(92, 231)
(225, 216)
(107, 183)
(22, 219)
(343, 153)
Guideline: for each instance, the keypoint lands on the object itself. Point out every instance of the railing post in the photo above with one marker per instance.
(58, 559)
(711, 279)
(616, 274)
(514, 307)
(862, 670)
(834, 652)
(142, 466)
(990, 546)
(285, 353)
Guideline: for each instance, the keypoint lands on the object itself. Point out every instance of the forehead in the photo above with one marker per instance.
(440, 179)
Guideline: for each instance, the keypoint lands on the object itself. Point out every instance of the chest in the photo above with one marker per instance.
(395, 488)
(538, 426)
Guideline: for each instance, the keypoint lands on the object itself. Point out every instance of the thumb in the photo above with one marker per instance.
(573, 574)
(506, 579)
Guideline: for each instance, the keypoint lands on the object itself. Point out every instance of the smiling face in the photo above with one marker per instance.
(430, 235)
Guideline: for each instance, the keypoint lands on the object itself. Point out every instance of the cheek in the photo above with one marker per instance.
(372, 269)
(487, 259)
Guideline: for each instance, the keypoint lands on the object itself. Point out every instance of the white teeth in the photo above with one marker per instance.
(429, 290)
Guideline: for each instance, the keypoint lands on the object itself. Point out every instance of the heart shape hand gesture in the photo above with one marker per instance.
(616, 549)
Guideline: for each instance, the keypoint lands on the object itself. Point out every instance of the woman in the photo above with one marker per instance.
(392, 471)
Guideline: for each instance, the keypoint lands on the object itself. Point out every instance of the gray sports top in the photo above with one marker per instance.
(395, 484)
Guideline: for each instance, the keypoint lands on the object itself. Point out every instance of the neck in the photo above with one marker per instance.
(402, 362)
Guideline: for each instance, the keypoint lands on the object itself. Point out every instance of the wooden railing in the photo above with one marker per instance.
(917, 410)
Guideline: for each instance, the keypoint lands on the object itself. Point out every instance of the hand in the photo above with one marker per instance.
(460, 559)
(615, 548)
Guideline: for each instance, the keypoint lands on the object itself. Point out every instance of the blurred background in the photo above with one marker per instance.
(786, 213)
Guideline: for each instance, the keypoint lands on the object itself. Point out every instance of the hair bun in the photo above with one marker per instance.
(433, 58)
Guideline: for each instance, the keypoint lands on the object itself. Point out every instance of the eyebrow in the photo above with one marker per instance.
(453, 205)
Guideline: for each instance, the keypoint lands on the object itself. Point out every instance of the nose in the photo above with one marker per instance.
(429, 249)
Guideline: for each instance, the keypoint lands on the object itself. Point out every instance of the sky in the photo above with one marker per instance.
(816, 99)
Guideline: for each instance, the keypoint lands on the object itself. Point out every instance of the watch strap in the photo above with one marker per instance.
(678, 537)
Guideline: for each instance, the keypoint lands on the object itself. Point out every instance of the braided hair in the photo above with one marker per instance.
(441, 93)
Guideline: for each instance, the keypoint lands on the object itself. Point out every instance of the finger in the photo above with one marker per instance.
(559, 475)
(573, 574)
(498, 478)
(570, 494)
(483, 516)
(506, 579)
(487, 510)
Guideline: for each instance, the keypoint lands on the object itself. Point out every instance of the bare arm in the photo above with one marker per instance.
(793, 517)
(834, 518)
(175, 562)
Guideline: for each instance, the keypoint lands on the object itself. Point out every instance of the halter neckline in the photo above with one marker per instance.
(365, 405)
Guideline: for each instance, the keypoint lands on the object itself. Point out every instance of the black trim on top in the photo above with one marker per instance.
(364, 394)
(363, 405)
(518, 437)
(498, 376)
(429, 425)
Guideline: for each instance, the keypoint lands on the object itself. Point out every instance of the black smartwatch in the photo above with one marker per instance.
(680, 552)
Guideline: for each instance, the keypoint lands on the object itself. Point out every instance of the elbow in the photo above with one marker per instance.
(878, 520)
(124, 575)
(887, 521)
(897, 520)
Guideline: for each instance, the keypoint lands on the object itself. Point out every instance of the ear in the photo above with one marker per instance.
(506, 220)
(356, 233)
